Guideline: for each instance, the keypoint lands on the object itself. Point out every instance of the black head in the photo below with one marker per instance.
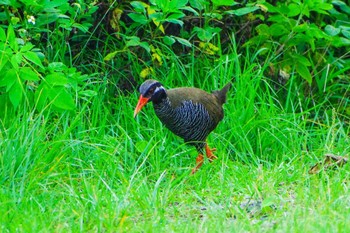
(152, 90)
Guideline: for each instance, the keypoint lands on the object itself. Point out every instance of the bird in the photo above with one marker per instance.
(190, 113)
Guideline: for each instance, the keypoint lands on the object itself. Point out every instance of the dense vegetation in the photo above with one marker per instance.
(73, 158)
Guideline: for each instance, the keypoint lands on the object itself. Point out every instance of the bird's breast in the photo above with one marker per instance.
(189, 120)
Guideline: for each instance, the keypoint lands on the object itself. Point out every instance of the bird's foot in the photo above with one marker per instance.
(199, 163)
(210, 154)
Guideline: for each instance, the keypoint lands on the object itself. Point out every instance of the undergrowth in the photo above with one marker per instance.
(99, 169)
(73, 157)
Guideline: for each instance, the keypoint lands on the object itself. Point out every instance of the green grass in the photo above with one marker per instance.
(99, 169)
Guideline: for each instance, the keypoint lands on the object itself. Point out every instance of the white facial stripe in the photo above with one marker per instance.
(158, 89)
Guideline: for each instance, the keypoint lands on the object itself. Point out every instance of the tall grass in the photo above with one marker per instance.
(99, 169)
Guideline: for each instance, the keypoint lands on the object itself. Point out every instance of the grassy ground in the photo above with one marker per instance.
(99, 169)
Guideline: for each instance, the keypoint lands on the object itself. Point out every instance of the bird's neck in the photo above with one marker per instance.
(165, 112)
(164, 109)
(163, 103)
(159, 96)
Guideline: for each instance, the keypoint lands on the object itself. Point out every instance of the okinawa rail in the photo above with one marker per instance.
(188, 112)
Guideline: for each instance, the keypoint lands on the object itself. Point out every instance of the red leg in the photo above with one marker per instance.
(209, 153)
(199, 163)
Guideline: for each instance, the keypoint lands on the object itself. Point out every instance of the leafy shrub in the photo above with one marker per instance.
(28, 72)
(299, 41)
(310, 39)
(151, 28)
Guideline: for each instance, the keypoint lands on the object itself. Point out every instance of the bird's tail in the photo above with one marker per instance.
(221, 94)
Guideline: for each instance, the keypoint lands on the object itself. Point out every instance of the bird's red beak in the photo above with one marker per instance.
(142, 102)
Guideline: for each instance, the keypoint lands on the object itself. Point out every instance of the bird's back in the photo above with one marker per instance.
(190, 113)
(178, 96)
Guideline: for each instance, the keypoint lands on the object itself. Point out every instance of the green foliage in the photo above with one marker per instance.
(295, 37)
(309, 38)
(27, 74)
(100, 170)
(37, 15)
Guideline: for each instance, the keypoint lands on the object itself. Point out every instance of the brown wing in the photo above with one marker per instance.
(210, 101)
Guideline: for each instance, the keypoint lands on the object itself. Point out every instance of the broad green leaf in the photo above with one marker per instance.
(304, 72)
(223, 2)
(51, 5)
(301, 59)
(305, 11)
(300, 39)
(279, 19)
(27, 73)
(277, 29)
(340, 41)
(199, 4)
(14, 62)
(133, 41)
(11, 37)
(146, 46)
(61, 98)
(243, 10)
(332, 31)
(183, 41)
(156, 17)
(175, 21)
(45, 19)
(3, 63)
(346, 33)
(168, 40)
(176, 16)
(110, 56)
(41, 96)
(270, 8)
(19, 57)
(16, 93)
(321, 7)
(57, 66)
(30, 3)
(344, 25)
(56, 79)
(301, 27)
(294, 10)
(82, 27)
(262, 29)
(66, 24)
(316, 32)
(180, 3)
(8, 79)
(190, 9)
(28, 46)
(138, 6)
(14, 4)
(204, 34)
(138, 18)
(2, 34)
(33, 57)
